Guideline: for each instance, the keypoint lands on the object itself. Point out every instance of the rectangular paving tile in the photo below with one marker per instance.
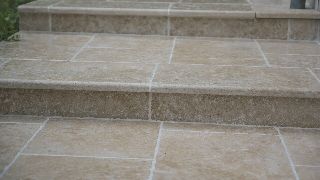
(44, 167)
(308, 173)
(12, 138)
(303, 145)
(217, 52)
(92, 137)
(211, 7)
(291, 54)
(22, 119)
(196, 155)
(127, 49)
(77, 75)
(43, 46)
(235, 80)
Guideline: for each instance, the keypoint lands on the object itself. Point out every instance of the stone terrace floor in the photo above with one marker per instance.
(162, 64)
(86, 148)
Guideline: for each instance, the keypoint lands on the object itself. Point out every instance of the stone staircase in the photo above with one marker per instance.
(220, 61)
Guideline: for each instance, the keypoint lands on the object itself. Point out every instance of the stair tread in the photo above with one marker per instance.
(133, 63)
(184, 8)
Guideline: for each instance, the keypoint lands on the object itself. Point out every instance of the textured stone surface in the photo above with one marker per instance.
(46, 167)
(22, 119)
(304, 145)
(284, 60)
(43, 46)
(237, 109)
(80, 75)
(200, 155)
(234, 80)
(34, 22)
(74, 103)
(303, 29)
(108, 48)
(289, 47)
(217, 52)
(12, 139)
(104, 138)
(308, 173)
(109, 24)
(260, 28)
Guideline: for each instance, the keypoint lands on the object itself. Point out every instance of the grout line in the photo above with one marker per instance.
(84, 46)
(150, 93)
(50, 22)
(288, 154)
(23, 148)
(4, 63)
(156, 151)
(95, 157)
(313, 74)
(172, 50)
(262, 53)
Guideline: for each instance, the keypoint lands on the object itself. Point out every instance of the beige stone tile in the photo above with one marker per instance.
(303, 145)
(228, 129)
(34, 22)
(244, 28)
(43, 46)
(282, 60)
(250, 110)
(211, 7)
(89, 137)
(74, 103)
(303, 29)
(235, 79)
(77, 75)
(308, 173)
(193, 155)
(110, 24)
(44, 167)
(215, 1)
(317, 72)
(23, 119)
(12, 139)
(289, 47)
(217, 52)
(150, 49)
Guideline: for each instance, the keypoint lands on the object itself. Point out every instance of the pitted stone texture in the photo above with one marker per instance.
(308, 173)
(260, 28)
(46, 167)
(12, 138)
(34, 22)
(303, 29)
(201, 155)
(74, 103)
(109, 24)
(270, 111)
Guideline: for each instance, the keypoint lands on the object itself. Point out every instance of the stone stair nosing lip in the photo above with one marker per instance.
(169, 12)
(158, 88)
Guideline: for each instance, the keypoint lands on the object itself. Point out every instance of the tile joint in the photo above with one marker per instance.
(313, 74)
(156, 151)
(172, 50)
(288, 154)
(262, 53)
(23, 148)
(85, 45)
(150, 93)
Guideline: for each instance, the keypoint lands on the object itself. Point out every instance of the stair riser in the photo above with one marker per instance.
(261, 28)
(270, 111)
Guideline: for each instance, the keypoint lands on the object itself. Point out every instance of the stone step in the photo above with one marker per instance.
(257, 19)
(218, 80)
